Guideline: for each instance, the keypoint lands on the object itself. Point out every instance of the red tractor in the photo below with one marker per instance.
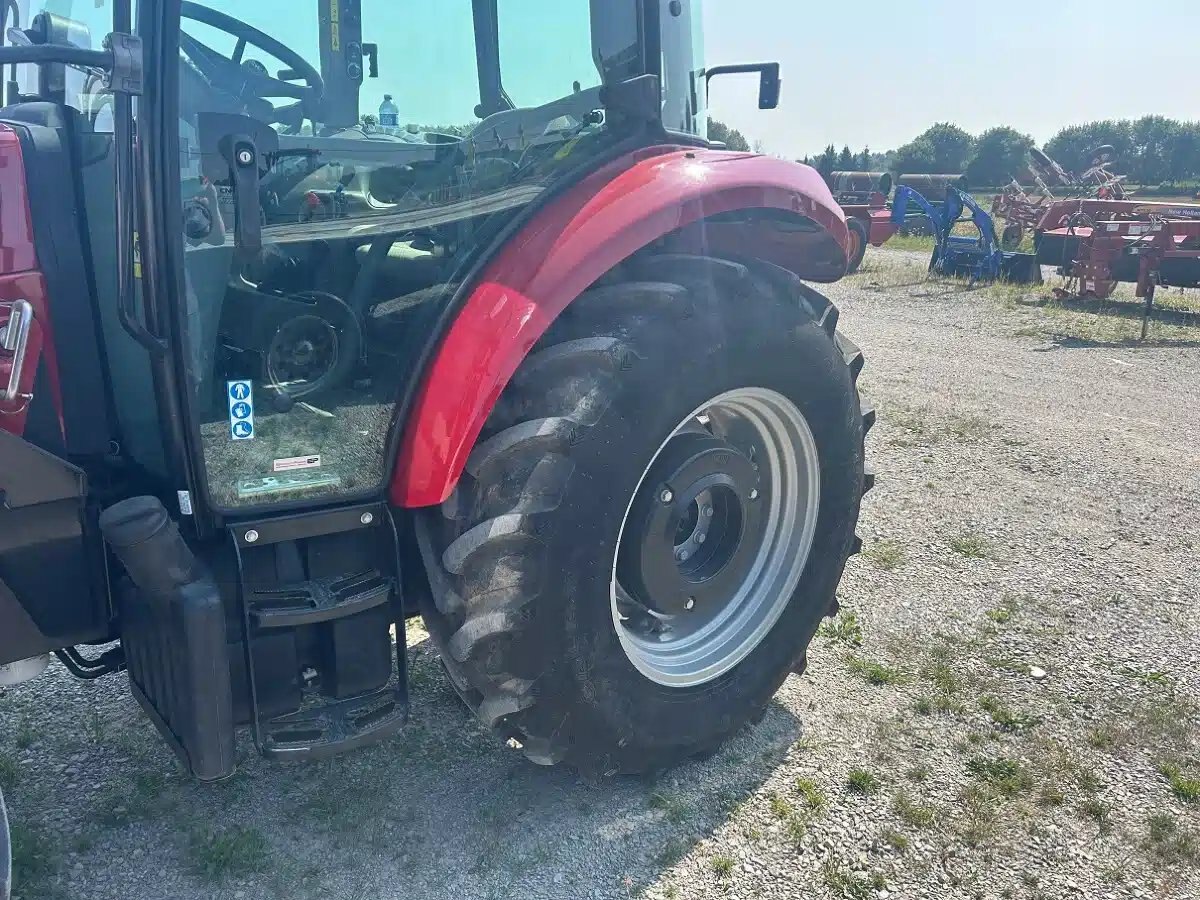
(545, 374)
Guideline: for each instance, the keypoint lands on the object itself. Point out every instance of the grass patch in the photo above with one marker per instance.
(1183, 785)
(1004, 717)
(675, 808)
(25, 735)
(844, 883)
(945, 681)
(35, 860)
(672, 851)
(860, 781)
(844, 629)
(1001, 615)
(1169, 843)
(918, 773)
(874, 672)
(968, 545)
(795, 821)
(1098, 811)
(896, 840)
(981, 803)
(912, 812)
(10, 770)
(942, 676)
(1051, 796)
(219, 854)
(968, 428)
(722, 865)
(1007, 776)
(810, 794)
(886, 555)
(781, 808)
(1103, 737)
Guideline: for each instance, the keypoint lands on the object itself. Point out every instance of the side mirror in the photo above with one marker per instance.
(768, 80)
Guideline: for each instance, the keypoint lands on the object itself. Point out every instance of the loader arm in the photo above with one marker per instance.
(906, 196)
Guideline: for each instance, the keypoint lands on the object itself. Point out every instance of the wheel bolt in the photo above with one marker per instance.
(691, 603)
(681, 555)
(666, 496)
(701, 537)
(708, 511)
(754, 494)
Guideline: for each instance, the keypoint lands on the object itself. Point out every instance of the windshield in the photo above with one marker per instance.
(395, 139)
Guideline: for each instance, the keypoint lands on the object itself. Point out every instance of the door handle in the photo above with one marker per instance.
(241, 153)
(14, 339)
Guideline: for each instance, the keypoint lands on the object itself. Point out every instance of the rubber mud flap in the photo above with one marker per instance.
(173, 633)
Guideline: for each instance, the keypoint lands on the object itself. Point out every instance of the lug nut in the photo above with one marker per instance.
(691, 603)
(251, 536)
(682, 555)
(701, 537)
(708, 511)
(666, 496)
(754, 494)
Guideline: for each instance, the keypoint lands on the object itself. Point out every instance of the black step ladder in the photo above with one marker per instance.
(323, 725)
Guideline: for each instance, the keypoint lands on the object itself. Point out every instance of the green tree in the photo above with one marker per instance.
(730, 137)
(864, 160)
(1184, 152)
(1000, 154)
(1153, 139)
(827, 163)
(943, 147)
(368, 120)
(1072, 147)
(845, 160)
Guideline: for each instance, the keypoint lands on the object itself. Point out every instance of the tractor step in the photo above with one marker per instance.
(331, 632)
(322, 600)
(335, 727)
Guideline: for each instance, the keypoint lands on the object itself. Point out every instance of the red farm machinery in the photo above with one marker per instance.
(1097, 244)
(1022, 210)
(863, 198)
(276, 376)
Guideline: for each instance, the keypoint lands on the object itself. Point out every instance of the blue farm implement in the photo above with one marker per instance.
(965, 256)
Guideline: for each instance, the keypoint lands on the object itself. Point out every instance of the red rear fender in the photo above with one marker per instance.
(575, 239)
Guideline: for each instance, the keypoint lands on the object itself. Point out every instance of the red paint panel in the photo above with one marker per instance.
(16, 229)
(20, 280)
(569, 244)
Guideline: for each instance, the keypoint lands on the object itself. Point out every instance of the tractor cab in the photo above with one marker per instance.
(334, 166)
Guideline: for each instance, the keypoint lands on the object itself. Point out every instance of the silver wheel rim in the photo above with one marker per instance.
(688, 652)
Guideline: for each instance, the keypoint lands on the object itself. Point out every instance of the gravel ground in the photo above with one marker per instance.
(1005, 708)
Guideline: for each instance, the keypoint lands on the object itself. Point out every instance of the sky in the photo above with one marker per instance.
(868, 73)
(878, 72)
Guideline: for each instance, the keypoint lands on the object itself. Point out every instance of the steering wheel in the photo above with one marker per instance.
(248, 81)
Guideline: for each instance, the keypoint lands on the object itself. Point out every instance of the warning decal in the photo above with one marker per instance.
(241, 410)
(292, 463)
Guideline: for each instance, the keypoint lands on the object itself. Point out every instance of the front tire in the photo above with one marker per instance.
(530, 560)
(859, 238)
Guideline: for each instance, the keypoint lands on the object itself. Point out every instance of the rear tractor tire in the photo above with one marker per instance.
(655, 518)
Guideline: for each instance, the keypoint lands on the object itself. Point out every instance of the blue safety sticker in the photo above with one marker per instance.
(241, 409)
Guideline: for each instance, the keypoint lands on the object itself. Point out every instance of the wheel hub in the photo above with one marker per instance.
(715, 537)
(685, 553)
